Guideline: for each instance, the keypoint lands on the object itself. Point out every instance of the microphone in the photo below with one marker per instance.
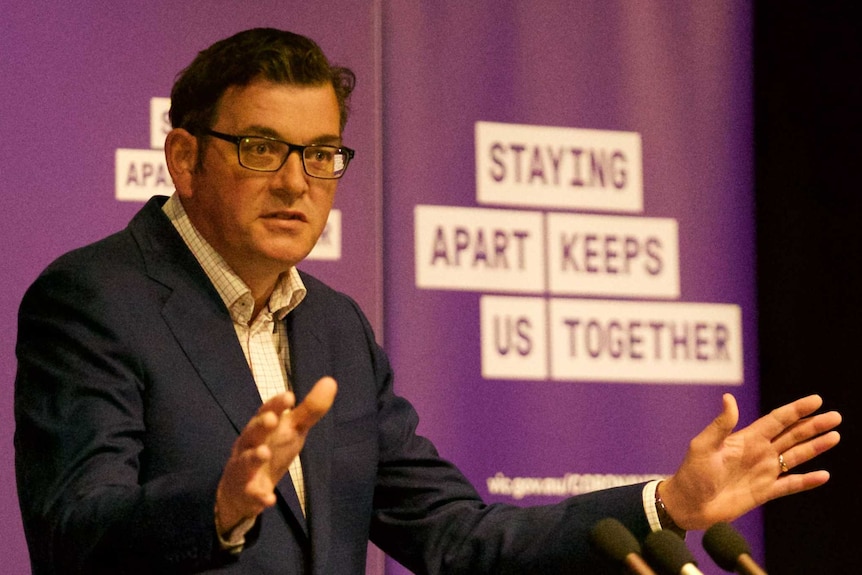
(729, 550)
(615, 541)
(666, 550)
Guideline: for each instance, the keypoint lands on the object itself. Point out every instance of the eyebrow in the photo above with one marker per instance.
(259, 130)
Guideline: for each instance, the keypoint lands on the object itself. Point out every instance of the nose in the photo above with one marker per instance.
(291, 177)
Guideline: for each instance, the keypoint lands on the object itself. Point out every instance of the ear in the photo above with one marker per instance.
(181, 154)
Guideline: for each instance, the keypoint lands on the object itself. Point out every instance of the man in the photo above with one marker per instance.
(158, 426)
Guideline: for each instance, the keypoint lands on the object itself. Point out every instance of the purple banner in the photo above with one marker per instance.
(569, 231)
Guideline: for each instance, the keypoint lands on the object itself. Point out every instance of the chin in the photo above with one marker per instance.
(289, 258)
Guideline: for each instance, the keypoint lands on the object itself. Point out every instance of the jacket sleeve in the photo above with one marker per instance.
(80, 429)
(431, 519)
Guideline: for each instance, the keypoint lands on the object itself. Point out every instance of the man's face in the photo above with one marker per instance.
(262, 223)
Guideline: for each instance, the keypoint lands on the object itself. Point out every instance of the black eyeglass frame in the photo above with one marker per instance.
(348, 152)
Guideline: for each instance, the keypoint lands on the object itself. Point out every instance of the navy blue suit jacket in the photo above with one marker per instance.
(132, 388)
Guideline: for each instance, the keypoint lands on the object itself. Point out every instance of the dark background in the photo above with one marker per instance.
(808, 156)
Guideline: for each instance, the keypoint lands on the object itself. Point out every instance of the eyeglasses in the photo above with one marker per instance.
(263, 154)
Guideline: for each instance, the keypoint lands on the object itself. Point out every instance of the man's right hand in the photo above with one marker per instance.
(263, 452)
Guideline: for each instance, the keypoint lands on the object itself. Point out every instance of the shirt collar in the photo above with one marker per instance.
(289, 291)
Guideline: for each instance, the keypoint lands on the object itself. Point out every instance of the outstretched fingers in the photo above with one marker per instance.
(259, 428)
(805, 450)
(805, 429)
(797, 436)
(783, 418)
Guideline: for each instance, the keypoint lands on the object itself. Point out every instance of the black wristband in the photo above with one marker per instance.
(664, 517)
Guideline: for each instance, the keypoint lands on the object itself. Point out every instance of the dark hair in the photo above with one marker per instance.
(260, 53)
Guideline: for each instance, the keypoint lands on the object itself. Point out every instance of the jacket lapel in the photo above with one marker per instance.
(203, 328)
(308, 364)
(196, 315)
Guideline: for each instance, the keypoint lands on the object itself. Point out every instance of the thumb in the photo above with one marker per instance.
(724, 423)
